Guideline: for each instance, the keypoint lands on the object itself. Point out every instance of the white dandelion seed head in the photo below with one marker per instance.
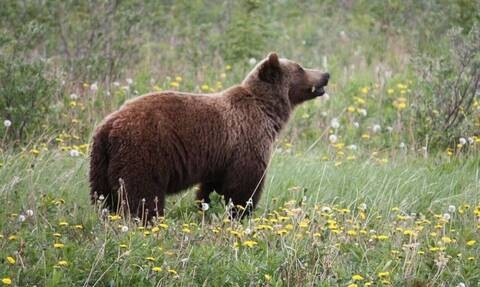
(105, 212)
(29, 213)
(363, 112)
(73, 96)
(352, 147)
(334, 123)
(356, 125)
(451, 208)
(248, 231)
(252, 61)
(363, 206)
(446, 216)
(470, 140)
(94, 87)
(124, 229)
(376, 128)
(74, 153)
(323, 114)
(116, 84)
(101, 197)
(462, 141)
(129, 81)
(326, 209)
(332, 138)
(389, 129)
(22, 218)
(402, 145)
(7, 123)
(461, 284)
(205, 206)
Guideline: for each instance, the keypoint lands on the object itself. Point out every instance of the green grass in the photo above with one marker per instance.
(207, 249)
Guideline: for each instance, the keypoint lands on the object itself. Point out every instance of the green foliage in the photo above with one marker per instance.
(26, 96)
(448, 90)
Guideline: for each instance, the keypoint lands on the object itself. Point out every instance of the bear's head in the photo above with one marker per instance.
(280, 77)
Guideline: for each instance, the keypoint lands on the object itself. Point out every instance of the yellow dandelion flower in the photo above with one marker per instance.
(6, 281)
(157, 269)
(352, 285)
(62, 263)
(382, 237)
(384, 274)
(357, 277)
(228, 67)
(204, 87)
(249, 243)
(282, 232)
(365, 136)
(351, 109)
(12, 237)
(78, 226)
(178, 79)
(57, 235)
(63, 223)
(35, 152)
(174, 84)
(390, 91)
(163, 225)
(58, 245)
(11, 260)
(471, 258)
(364, 90)
(446, 240)
(471, 242)
(267, 277)
(352, 232)
(172, 271)
(123, 246)
(150, 258)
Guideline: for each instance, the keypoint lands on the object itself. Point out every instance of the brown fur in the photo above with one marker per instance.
(162, 143)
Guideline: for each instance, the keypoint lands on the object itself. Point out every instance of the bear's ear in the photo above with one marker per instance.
(270, 71)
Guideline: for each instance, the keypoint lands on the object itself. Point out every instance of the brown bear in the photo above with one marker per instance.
(162, 143)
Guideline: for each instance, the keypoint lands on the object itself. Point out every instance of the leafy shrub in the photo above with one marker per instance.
(448, 87)
(25, 97)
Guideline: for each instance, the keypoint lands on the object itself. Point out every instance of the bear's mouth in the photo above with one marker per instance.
(318, 90)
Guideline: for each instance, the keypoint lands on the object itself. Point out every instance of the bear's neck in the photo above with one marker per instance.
(274, 104)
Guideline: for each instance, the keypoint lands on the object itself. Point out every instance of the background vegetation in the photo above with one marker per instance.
(375, 184)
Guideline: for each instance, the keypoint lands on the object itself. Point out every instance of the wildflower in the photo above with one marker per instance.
(462, 141)
(446, 216)
(94, 87)
(362, 206)
(249, 243)
(124, 246)
(376, 128)
(58, 245)
(351, 109)
(163, 225)
(252, 61)
(451, 208)
(364, 90)
(62, 263)
(205, 206)
(124, 228)
(334, 123)
(116, 84)
(471, 242)
(390, 91)
(7, 281)
(352, 285)
(11, 260)
(402, 145)
(173, 272)
(389, 129)
(63, 223)
(204, 87)
(174, 84)
(363, 112)
(357, 277)
(22, 218)
(267, 277)
(129, 81)
(12, 237)
(78, 226)
(157, 269)
(7, 123)
(150, 258)
(332, 138)
(356, 125)
(74, 153)
(384, 274)
(29, 213)
(446, 240)
(34, 151)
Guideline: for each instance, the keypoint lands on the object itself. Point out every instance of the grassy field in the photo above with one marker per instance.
(375, 184)
(366, 222)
